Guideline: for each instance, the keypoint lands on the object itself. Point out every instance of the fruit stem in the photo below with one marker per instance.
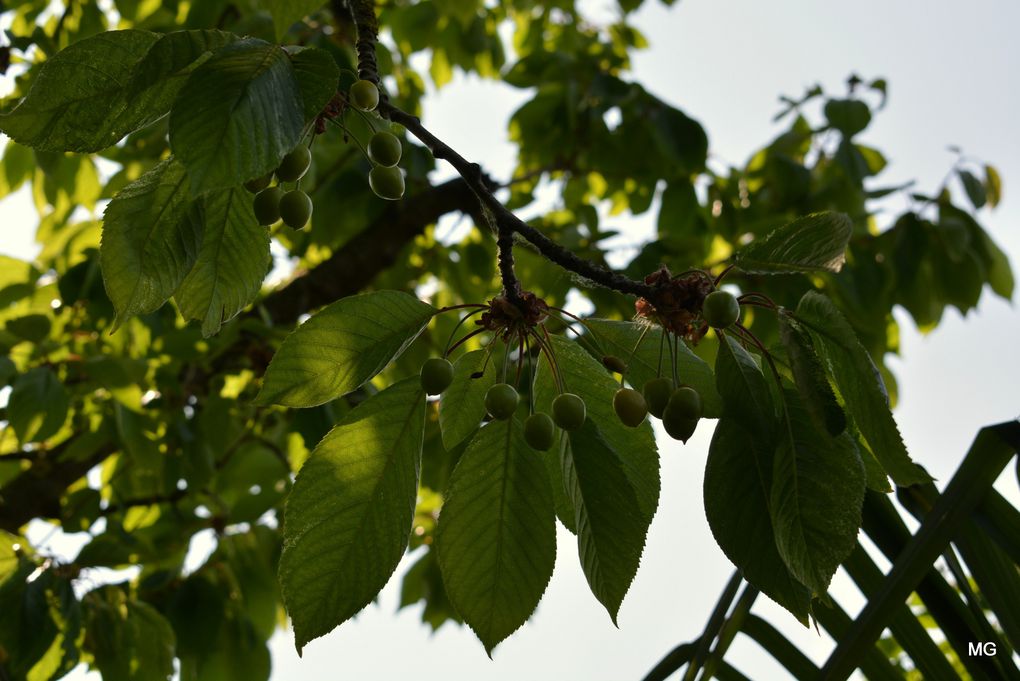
(462, 341)
(722, 275)
(460, 323)
(746, 299)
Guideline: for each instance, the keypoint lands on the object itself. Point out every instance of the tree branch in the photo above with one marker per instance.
(352, 267)
(504, 221)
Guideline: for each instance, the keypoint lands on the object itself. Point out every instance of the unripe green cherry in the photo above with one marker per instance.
(678, 426)
(257, 184)
(630, 407)
(720, 309)
(657, 392)
(387, 183)
(614, 364)
(539, 431)
(568, 411)
(267, 205)
(365, 95)
(501, 401)
(294, 165)
(295, 208)
(436, 375)
(384, 149)
(686, 401)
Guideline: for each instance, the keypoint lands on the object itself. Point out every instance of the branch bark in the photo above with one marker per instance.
(503, 220)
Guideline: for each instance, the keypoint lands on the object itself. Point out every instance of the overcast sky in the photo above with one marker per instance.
(951, 69)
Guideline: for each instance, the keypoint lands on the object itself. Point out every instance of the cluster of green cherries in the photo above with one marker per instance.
(384, 149)
(677, 405)
(501, 400)
(294, 207)
(273, 203)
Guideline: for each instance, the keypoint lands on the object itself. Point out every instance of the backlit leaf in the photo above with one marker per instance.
(342, 346)
(816, 242)
(348, 516)
(497, 532)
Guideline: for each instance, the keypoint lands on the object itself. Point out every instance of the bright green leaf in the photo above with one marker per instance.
(816, 497)
(462, 406)
(497, 532)
(150, 241)
(860, 385)
(77, 101)
(342, 346)
(231, 263)
(816, 242)
(620, 338)
(38, 405)
(737, 487)
(237, 115)
(348, 517)
(611, 525)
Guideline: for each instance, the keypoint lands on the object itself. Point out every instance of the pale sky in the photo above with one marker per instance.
(951, 69)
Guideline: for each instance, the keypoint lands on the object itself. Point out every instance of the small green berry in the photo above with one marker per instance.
(539, 431)
(720, 309)
(569, 411)
(657, 392)
(387, 183)
(501, 401)
(686, 401)
(384, 149)
(295, 208)
(678, 426)
(630, 407)
(267, 205)
(365, 95)
(436, 375)
(294, 165)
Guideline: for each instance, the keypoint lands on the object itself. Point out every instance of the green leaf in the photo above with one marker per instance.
(816, 242)
(810, 378)
(231, 263)
(150, 241)
(77, 100)
(286, 13)
(342, 346)
(860, 385)
(496, 538)
(611, 525)
(993, 185)
(318, 78)
(462, 406)
(237, 116)
(737, 486)
(620, 338)
(849, 116)
(745, 394)
(38, 404)
(585, 376)
(975, 190)
(816, 497)
(129, 640)
(348, 517)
